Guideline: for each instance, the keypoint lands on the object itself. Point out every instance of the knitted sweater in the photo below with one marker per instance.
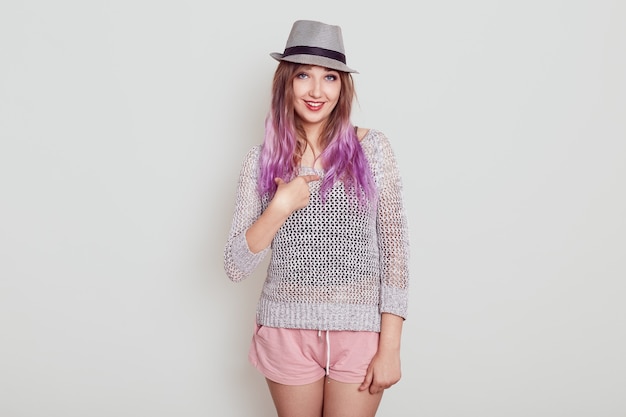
(333, 266)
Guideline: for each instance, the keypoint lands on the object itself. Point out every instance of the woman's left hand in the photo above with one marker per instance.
(383, 371)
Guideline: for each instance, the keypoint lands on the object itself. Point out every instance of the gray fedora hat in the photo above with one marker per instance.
(315, 43)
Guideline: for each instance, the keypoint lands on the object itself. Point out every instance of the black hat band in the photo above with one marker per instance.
(312, 50)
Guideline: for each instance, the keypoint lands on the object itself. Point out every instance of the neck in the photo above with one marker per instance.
(313, 133)
(313, 149)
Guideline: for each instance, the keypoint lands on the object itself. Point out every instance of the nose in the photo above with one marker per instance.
(316, 88)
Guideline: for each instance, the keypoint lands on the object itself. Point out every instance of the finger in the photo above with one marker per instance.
(367, 382)
(375, 389)
(378, 386)
(310, 177)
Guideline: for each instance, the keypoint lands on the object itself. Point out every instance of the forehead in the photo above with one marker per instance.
(316, 68)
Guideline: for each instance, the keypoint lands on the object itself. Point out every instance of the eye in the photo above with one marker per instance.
(302, 75)
(331, 77)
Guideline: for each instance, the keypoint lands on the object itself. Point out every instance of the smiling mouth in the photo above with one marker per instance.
(313, 105)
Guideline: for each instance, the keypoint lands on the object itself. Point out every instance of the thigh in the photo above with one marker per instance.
(298, 400)
(345, 400)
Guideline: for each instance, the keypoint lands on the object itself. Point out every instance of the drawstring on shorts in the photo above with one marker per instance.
(319, 334)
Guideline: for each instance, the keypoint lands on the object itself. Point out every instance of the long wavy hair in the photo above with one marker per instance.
(342, 157)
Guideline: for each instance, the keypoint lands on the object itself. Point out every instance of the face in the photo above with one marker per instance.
(316, 93)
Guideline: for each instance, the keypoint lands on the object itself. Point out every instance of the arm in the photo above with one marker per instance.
(253, 228)
(384, 370)
(289, 197)
(239, 260)
(393, 234)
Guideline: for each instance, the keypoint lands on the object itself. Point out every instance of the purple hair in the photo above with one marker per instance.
(342, 157)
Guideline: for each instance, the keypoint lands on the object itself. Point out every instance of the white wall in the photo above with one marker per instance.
(122, 127)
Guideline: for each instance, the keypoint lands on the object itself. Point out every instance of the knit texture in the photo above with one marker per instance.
(333, 266)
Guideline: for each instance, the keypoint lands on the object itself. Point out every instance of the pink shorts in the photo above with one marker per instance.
(297, 357)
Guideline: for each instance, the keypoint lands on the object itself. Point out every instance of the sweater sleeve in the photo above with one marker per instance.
(239, 261)
(393, 233)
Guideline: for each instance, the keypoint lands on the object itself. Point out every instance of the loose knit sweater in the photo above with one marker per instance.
(334, 265)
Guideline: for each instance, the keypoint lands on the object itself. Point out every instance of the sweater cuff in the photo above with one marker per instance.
(244, 259)
(394, 300)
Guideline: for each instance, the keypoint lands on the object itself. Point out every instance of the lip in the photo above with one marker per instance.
(314, 105)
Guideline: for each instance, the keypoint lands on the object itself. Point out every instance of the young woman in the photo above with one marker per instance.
(325, 198)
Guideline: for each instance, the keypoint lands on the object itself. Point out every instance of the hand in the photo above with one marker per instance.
(383, 372)
(293, 195)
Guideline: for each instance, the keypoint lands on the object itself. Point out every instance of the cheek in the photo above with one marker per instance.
(334, 94)
(299, 87)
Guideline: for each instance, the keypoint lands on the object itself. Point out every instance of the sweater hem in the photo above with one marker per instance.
(320, 316)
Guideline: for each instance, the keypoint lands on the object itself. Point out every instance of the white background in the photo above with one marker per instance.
(123, 125)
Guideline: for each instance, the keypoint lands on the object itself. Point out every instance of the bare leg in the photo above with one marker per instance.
(345, 400)
(298, 400)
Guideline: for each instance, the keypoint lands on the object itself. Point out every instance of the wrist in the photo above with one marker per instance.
(389, 347)
(278, 210)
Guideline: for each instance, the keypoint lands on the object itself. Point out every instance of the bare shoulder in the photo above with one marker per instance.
(361, 132)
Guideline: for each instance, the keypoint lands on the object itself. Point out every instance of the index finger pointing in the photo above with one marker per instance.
(311, 177)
